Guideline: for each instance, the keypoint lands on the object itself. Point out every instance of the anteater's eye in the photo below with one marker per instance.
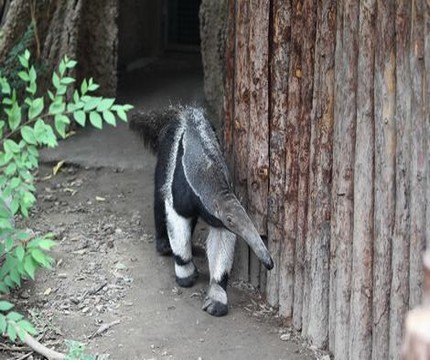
(229, 219)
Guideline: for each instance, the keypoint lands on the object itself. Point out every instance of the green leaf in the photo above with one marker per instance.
(84, 87)
(5, 305)
(36, 108)
(96, 119)
(92, 103)
(30, 266)
(61, 122)
(3, 323)
(105, 104)
(109, 117)
(67, 80)
(27, 134)
(27, 327)
(15, 182)
(32, 88)
(20, 252)
(24, 76)
(9, 244)
(27, 54)
(32, 74)
(46, 244)
(71, 64)
(5, 224)
(14, 116)
(11, 146)
(14, 206)
(39, 256)
(79, 116)
(23, 61)
(4, 289)
(14, 316)
(121, 114)
(55, 80)
(11, 332)
(57, 107)
(28, 199)
(14, 276)
(10, 169)
(62, 67)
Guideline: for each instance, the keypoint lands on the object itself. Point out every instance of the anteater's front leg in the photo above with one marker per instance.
(220, 252)
(179, 229)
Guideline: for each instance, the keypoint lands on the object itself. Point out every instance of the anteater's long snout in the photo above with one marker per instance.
(235, 218)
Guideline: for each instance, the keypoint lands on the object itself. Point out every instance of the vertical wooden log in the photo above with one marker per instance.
(427, 113)
(240, 133)
(418, 151)
(343, 168)
(339, 73)
(286, 289)
(306, 250)
(258, 139)
(400, 253)
(279, 65)
(320, 176)
(384, 184)
(229, 84)
(360, 339)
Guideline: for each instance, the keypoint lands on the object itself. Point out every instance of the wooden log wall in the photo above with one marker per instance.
(327, 128)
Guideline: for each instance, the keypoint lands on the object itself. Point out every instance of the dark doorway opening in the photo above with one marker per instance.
(159, 60)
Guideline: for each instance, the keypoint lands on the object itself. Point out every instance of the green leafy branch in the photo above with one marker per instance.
(26, 124)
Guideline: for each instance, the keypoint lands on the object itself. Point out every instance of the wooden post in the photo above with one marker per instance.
(279, 64)
(320, 172)
(241, 126)
(286, 285)
(360, 341)
(418, 151)
(400, 252)
(384, 183)
(343, 167)
(258, 138)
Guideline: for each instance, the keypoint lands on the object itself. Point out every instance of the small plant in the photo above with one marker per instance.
(25, 126)
(76, 352)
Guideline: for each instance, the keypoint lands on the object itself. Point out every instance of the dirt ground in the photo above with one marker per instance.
(107, 272)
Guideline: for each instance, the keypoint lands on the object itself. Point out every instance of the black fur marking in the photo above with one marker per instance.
(161, 235)
(217, 308)
(180, 261)
(189, 280)
(224, 281)
(163, 246)
(149, 125)
(185, 201)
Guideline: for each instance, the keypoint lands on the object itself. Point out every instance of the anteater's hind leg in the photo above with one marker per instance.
(161, 236)
(180, 229)
(220, 251)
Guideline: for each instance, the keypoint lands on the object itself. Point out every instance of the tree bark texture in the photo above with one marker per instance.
(335, 104)
(81, 29)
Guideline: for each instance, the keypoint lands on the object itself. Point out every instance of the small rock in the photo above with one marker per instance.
(285, 337)
(118, 231)
(62, 275)
(85, 309)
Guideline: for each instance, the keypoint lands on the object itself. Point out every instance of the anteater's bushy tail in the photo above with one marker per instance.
(149, 125)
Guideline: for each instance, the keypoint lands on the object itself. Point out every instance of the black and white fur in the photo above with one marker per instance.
(192, 181)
